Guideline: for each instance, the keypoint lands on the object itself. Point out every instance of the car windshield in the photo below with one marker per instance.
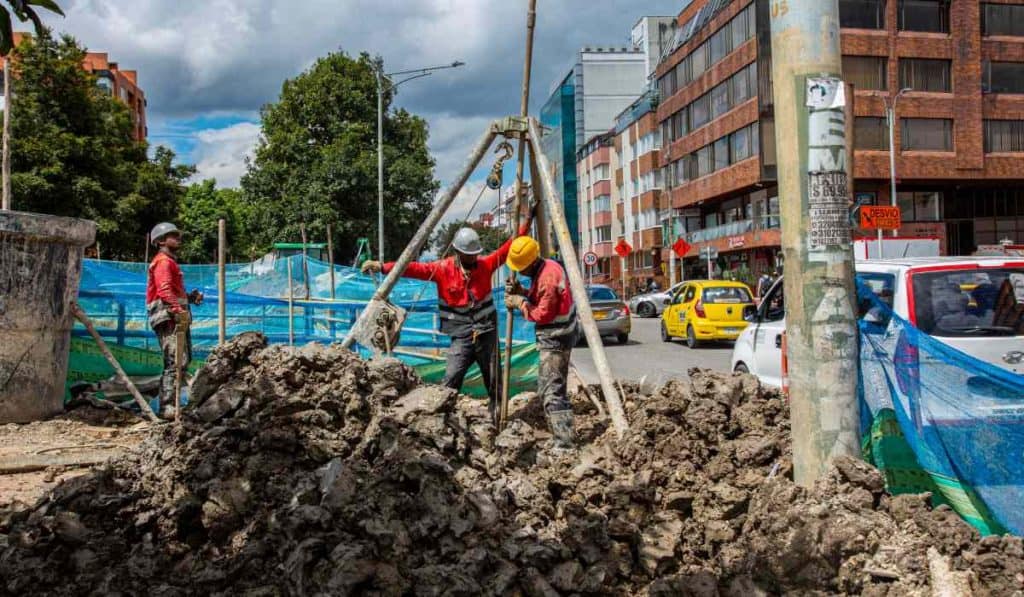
(602, 294)
(985, 302)
(726, 294)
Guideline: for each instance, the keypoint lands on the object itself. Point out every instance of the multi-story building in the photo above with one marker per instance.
(959, 123)
(122, 84)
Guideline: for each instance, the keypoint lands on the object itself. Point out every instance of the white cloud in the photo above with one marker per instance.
(221, 153)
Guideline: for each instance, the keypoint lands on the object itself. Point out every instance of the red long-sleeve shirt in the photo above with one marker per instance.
(549, 295)
(166, 282)
(453, 287)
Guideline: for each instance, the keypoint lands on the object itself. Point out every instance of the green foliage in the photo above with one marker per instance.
(317, 161)
(22, 9)
(490, 238)
(73, 154)
(202, 206)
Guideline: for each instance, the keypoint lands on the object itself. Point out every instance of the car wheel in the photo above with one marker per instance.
(691, 337)
(741, 368)
(645, 310)
(622, 337)
(664, 333)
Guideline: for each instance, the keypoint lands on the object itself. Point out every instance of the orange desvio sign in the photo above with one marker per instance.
(880, 217)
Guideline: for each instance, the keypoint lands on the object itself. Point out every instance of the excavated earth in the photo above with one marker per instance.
(313, 472)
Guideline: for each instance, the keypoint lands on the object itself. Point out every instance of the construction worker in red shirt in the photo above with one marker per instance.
(548, 303)
(167, 305)
(466, 304)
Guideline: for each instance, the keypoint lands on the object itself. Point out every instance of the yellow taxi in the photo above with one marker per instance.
(703, 310)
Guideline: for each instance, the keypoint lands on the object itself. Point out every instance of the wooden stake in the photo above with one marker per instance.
(222, 292)
(330, 257)
(80, 315)
(305, 263)
(291, 306)
(5, 200)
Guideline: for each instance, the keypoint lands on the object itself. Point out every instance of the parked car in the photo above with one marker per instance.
(703, 310)
(652, 304)
(611, 313)
(974, 304)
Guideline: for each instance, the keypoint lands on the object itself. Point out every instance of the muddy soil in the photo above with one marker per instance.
(309, 471)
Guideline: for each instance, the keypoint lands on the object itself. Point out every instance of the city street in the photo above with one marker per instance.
(647, 357)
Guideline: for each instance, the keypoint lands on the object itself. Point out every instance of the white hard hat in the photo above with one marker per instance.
(467, 242)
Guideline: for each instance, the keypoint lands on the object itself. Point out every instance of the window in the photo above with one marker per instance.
(979, 303)
(721, 152)
(603, 234)
(871, 132)
(602, 172)
(741, 27)
(699, 60)
(924, 15)
(603, 203)
(683, 74)
(741, 147)
(1003, 77)
(705, 164)
(721, 43)
(866, 72)
(928, 134)
(1004, 135)
(920, 206)
(700, 111)
(862, 14)
(921, 74)
(1002, 19)
(743, 84)
(720, 99)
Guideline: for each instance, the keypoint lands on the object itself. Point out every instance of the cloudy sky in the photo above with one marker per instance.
(207, 66)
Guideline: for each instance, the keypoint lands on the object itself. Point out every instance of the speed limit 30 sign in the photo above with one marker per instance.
(590, 258)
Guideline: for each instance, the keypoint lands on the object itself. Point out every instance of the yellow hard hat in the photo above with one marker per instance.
(523, 252)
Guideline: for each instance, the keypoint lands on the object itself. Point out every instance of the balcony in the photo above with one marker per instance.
(716, 232)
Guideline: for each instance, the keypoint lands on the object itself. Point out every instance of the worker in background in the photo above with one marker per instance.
(548, 304)
(466, 303)
(167, 305)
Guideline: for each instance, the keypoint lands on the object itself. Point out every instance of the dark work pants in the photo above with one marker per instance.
(483, 350)
(169, 346)
(553, 373)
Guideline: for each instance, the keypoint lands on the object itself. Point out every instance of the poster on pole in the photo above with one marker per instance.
(828, 189)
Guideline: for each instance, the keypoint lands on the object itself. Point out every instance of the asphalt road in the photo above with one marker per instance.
(646, 357)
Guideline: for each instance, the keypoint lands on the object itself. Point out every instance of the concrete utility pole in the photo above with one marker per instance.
(816, 234)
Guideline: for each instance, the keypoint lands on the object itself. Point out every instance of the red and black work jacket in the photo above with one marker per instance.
(165, 290)
(549, 302)
(464, 296)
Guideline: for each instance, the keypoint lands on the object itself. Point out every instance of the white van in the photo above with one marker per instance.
(974, 304)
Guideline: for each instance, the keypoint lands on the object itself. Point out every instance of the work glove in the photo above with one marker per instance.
(371, 267)
(513, 287)
(183, 318)
(514, 301)
(196, 297)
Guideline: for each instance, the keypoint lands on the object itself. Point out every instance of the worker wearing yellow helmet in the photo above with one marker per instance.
(548, 304)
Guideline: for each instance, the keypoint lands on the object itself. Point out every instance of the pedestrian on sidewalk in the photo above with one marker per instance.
(168, 308)
(548, 303)
(465, 300)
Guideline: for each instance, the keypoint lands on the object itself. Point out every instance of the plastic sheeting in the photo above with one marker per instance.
(940, 420)
(113, 295)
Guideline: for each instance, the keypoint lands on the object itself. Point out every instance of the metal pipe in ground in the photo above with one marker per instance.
(579, 291)
(412, 250)
(821, 326)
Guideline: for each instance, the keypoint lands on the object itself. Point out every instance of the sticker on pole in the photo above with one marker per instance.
(681, 247)
(623, 249)
(590, 259)
(825, 93)
(880, 217)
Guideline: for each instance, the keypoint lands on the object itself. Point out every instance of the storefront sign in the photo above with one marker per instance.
(736, 242)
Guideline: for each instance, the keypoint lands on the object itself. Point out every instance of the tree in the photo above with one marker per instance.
(72, 151)
(203, 205)
(490, 238)
(22, 9)
(317, 160)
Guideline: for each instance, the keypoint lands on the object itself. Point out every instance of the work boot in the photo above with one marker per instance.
(560, 422)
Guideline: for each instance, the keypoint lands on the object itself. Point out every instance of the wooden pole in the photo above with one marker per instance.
(291, 306)
(330, 257)
(80, 315)
(305, 263)
(222, 292)
(6, 197)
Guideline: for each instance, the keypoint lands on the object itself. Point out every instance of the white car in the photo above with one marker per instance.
(974, 304)
(651, 304)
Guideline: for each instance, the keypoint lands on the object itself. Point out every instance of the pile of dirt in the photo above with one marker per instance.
(311, 471)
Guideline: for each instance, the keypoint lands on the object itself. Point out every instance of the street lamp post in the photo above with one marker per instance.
(890, 114)
(415, 74)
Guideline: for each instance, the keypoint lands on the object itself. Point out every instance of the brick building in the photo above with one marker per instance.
(959, 130)
(122, 84)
